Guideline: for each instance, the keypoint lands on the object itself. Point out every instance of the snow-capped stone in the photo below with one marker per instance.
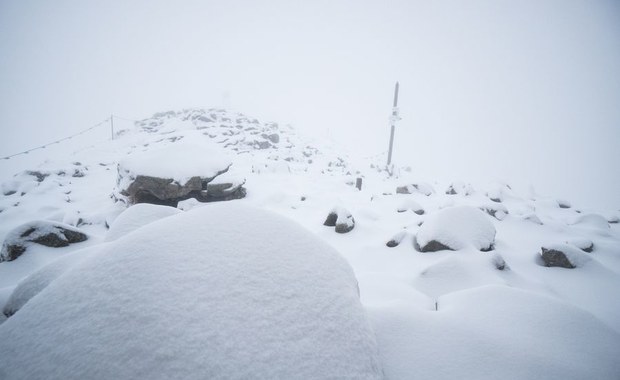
(533, 218)
(420, 187)
(459, 188)
(564, 256)
(49, 234)
(593, 221)
(169, 174)
(563, 203)
(585, 245)
(396, 239)
(496, 210)
(410, 204)
(137, 216)
(456, 228)
(498, 261)
(225, 187)
(236, 306)
(340, 218)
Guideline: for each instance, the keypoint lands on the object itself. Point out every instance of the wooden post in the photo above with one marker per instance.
(393, 119)
(358, 183)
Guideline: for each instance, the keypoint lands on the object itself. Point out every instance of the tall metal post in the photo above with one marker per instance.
(112, 125)
(393, 118)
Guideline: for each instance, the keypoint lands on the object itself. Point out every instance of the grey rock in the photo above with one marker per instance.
(555, 258)
(45, 233)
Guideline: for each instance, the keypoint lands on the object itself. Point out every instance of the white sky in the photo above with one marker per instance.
(523, 91)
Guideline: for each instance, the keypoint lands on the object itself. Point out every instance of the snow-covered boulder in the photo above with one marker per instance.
(594, 221)
(585, 245)
(456, 228)
(137, 216)
(496, 210)
(459, 188)
(225, 187)
(237, 305)
(420, 187)
(410, 204)
(43, 232)
(563, 256)
(396, 239)
(340, 218)
(170, 174)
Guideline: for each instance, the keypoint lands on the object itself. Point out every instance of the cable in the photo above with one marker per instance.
(57, 141)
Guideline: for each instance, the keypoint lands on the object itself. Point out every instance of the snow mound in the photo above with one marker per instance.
(221, 291)
(595, 221)
(495, 332)
(39, 280)
(137, 216)
(456, 228)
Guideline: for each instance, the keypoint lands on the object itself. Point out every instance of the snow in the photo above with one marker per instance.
(494, 332)
(458, 228)
(556, 327)
(137, 216)
(180, 162)
(222, 291)
(39, 280)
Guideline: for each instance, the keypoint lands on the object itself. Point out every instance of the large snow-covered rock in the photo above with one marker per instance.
(221, 291)
(175, 172)
(43, 232)
(456, 228)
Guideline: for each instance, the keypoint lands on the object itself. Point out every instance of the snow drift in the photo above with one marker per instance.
(221, 291)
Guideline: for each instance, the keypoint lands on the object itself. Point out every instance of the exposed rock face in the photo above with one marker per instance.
(341, 219)
(434, 246)
(555, 258)
(49, 234)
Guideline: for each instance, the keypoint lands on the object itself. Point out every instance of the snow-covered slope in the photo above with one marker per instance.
(463, 306)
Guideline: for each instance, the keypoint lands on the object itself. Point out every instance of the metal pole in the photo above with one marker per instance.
(112, 125)
(393, 119)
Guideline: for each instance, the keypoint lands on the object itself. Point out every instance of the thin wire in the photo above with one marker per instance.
(57, 141)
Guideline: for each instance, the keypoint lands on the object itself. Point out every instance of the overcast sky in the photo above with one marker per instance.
(522, 91)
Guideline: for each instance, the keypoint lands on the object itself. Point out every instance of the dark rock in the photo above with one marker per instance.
(38, 175)
(263, 144)
(274, 137)
(434, 246)
(331, 219)
(341, 219)
(555, 258)
(45, 233)
(396, 239)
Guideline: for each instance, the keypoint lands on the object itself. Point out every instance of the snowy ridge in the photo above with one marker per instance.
(481, 312)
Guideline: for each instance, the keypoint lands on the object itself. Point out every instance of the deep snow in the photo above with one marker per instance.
(436, 315)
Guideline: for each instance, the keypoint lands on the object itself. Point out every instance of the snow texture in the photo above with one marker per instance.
(222, 291)
(457, 228)
(137, 216)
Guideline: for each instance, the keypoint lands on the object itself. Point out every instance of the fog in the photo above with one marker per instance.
(526, 92)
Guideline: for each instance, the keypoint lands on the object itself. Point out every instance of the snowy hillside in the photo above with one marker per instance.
(456, 280)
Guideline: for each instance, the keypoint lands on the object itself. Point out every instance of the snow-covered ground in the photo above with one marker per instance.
(481, 304)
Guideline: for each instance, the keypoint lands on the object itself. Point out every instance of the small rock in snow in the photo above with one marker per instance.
(396, 239)
(455, 228)
(341, 219)
(585, 245)
(420, 187)
(563, 256)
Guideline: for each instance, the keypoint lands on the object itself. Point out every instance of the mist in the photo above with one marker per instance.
(521, 92)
